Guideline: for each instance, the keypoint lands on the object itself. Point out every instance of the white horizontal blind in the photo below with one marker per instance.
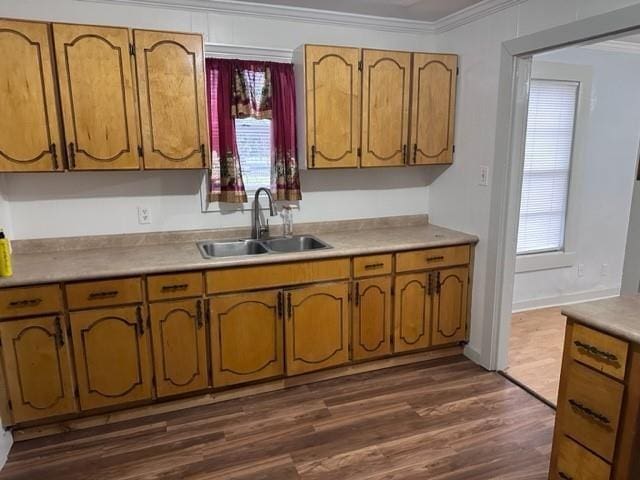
(547, 165)
(253, 138)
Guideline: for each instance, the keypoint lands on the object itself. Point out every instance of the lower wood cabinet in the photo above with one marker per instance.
(317, 327)
(179, 346)
(111, 350)
(450, 311)
(413, 315)
(371, 318)
(37, 365)
(246, 337)
(577, 462)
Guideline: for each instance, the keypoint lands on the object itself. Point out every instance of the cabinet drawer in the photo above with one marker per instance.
(579, 463)
(590, 410)
(103, 293)
(277, 275)
(372, 265)
(182, 285)
(19, 302)
(432, 258)
(600, 351)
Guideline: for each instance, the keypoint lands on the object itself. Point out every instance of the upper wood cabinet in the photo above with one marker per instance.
(317, 327)
(36, 359)
(97, 96)
(173, 108)
(432, 108)
(386, 80)
(112, 358)
(450, 319)
(332, 98)
(29, 132)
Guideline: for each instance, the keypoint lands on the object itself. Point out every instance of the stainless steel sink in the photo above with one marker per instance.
(297, 243)
(231, 248)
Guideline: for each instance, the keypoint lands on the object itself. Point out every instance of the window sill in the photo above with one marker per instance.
(545, 261)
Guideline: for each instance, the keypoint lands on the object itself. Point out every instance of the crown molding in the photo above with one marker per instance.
(242, 52)
(616, 46)
(326, 17)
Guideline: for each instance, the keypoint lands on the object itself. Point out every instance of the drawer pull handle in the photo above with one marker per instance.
(587, 411)
(564, 476)
(32, 302)
(175, 288)
(373, 266)
(140, 320)
(59, 336)
(435, 259)
(103, 295)
(596, 351)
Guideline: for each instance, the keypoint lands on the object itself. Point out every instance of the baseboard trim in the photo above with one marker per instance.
(473, 355)
(565, 299)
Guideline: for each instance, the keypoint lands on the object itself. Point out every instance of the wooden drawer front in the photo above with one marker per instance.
(277, 275)
(182, 285)
(600, 351)
(19, 302)
(590, 409)
(432, 258)
(372, 265)
(578, 463)
(99, 294)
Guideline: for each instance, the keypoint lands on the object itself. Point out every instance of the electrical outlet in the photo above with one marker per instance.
(484, 176)
(144, 215)
(581, 269)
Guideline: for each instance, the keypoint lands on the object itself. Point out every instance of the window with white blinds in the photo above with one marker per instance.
(547, 165)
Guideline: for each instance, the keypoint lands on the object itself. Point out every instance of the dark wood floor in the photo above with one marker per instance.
(445, 419)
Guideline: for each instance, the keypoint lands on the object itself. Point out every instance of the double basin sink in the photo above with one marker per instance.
(232, 248)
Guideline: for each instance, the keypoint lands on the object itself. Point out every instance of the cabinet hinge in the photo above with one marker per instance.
(349, 297)
(140, 151)
(77, 392)
(360, 65)
(457, 71)
(359, 151)
(132, 49)
(10, 404)
(453, 149)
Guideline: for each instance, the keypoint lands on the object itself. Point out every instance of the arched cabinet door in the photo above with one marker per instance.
(332, 106)
(371, 318)
(246, 337)
(179, 346)
(30, 139)
(414, 310)
(386, 79)
(432, 108)
(97, 97)
(317, 327)
(37, 366)
(111, 350)
(450, 323)
(173, 114)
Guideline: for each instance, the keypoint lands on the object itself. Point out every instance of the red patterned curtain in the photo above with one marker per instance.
(285, 179)
(226, 173)
(246, 100)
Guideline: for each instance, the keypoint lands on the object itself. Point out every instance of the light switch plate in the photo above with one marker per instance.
(144, 215)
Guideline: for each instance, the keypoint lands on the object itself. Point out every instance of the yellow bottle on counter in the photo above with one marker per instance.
(5, 256)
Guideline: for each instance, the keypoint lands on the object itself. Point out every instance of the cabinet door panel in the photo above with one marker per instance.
(246, 337)
(112, 356)
(179, 346)
(413, 314)
(170, 70)
(332, 100)
(37, 365)
(385, 107)
(372, 318)
(317, 327)
(97, 97)
(432, 108)
(29, 132)
(450, 321)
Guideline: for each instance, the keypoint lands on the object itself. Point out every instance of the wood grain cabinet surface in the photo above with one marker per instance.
(37, 365)
(179, 346)
(173, 109)
(30, 137)
(414, 311)
(97, 96)
(450, 306)
(247, 337)
(371, 318)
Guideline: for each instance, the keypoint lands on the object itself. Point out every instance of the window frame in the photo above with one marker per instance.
(567, 257)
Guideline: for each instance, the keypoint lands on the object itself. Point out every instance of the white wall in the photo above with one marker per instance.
(456, 200)
(45, 205)
(631, 273)
(604, 167)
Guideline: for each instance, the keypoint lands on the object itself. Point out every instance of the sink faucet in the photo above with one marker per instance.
(258, 231)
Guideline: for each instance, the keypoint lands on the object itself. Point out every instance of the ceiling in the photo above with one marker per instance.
(421, 10)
